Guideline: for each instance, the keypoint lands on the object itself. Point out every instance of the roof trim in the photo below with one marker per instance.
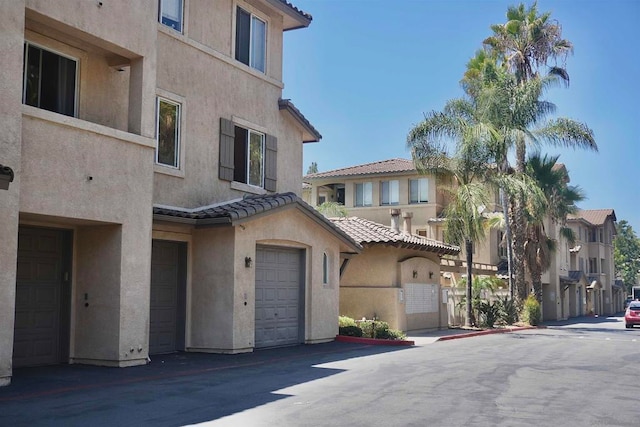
(313, 134)
(238, 211)
(388, 167)
(369, 233)
(302, 18)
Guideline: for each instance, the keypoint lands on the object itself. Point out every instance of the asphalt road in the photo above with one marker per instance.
(573, 374)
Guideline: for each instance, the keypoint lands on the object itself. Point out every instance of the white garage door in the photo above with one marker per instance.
(279, 297)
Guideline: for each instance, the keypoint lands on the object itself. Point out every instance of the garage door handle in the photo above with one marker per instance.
(275, 314)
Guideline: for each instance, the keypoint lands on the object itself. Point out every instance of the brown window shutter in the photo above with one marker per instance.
(270, 162)
(227, 140)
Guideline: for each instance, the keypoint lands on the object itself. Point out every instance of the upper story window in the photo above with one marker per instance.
(251, 39)
(364, 194)
(170, 13)
(49, 80)
(247, 156)
(168, 133)
(418, 190)
(389, 192)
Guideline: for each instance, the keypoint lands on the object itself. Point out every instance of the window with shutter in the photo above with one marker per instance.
(247, 156)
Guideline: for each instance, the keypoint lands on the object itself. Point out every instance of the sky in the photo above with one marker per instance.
(366, 71)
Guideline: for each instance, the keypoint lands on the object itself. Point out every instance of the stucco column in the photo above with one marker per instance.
(11, 46)
(142, 95)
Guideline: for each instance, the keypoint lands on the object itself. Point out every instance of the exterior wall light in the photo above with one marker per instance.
(248, 261)
(6, 176)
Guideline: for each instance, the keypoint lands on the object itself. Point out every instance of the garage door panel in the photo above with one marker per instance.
(40, 336)
(278, 297)
(167, 297)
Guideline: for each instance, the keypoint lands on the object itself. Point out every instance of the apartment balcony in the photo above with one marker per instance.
(80, 170)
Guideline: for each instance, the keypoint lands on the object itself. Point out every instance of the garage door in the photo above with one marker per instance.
(42, 298)
(279, 297)
(168, 295)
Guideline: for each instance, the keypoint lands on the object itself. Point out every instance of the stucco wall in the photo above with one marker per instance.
(383, 303)
(209, 85)
(212, 293)
(292, 228)
(11, 46)
(373, 280)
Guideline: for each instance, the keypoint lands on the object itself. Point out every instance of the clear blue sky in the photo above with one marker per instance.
(365, 71)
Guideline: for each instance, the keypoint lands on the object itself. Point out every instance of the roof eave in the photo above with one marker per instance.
(296, 18)
(310, 134)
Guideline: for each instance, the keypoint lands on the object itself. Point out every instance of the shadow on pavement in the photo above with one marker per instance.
(176, 389)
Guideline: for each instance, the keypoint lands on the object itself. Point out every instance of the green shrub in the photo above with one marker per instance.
(350, 331)
(531, 311)
(508, 311)
(488, 313)
(368, 328)
(390, 334)
(346, 321)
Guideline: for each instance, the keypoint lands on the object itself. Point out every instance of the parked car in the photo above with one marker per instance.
(632, 314)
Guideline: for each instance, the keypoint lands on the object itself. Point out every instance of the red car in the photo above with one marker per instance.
(632, 315)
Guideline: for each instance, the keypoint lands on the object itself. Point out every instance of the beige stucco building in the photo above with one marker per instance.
(581, 280)
(396, 277)
(155, 204)
(370, 190)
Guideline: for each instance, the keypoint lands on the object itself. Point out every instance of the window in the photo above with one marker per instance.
(251, 39)
(171, 13)
(247, 156)
(364, 194)
(593, 265)
(325, 268)
(340, 194)
(502, 245)
(418, 190)
(321, 199)
(168, 131)
(389, 192)
(421, 232)
(49, 80)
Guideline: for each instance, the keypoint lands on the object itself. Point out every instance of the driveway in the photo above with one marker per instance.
(569, 374)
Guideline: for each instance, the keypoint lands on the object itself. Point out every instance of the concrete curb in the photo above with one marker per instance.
(488, 332)
(373, 341)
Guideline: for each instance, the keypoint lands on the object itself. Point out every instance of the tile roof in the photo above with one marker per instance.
(594, 216)
(229, 212)
(297, 10)
(287, 105)
(381, 167)
(364, 231)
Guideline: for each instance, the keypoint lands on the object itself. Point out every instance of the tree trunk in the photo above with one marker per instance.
(519, 229)
(507, 222)
(468, 247)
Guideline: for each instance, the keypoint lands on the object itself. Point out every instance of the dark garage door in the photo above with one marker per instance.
(168, 296)
(42, 297)
(279, 297)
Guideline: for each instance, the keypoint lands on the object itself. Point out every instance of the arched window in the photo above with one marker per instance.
(325, 269)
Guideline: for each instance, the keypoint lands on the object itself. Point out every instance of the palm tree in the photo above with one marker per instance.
(518, 116)
(449, 145)
(552, 178)
(524, 45)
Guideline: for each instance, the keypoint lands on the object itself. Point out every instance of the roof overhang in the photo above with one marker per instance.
(293, 18)
(309, 133)
(239, 211)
